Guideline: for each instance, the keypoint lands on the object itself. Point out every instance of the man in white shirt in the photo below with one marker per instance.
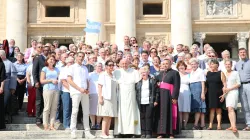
(101, 57)
(78, 81)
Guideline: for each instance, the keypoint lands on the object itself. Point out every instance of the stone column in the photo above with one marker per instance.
(234, 49)
(125, 21)
(242, 39)
(16, 22)
(95, 12)
(199, 37)
(181, 22)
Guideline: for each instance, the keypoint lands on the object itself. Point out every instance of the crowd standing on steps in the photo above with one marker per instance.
(137, 91)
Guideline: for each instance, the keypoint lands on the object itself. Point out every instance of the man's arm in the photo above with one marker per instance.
(35, 70)
(73, 84)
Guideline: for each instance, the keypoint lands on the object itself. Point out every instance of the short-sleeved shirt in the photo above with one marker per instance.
(197, 76)
(21, 68)
(243, 67)
(63, 76)
(93, 82)
(80, 76)
(50, 75)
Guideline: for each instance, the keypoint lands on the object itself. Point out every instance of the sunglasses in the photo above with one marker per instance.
(88, 52)
(111, 65)
(211, 56)
(127, 49)
(135, 46)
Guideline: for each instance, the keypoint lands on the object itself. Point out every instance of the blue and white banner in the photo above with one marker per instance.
(92, 27)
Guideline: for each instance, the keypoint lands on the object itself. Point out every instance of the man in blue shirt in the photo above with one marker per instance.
(243, 67)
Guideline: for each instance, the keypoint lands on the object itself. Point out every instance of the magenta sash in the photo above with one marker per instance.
(174, 106)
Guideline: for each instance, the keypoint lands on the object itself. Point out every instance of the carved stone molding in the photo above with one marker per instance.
(242, 36)
(220, 8)
(199, 36)
(242, 39)
(160, 39)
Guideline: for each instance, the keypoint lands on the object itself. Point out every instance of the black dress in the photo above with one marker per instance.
(214, 86)
(2, 78)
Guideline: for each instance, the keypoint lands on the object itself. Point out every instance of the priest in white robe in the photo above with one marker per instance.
(128, 120)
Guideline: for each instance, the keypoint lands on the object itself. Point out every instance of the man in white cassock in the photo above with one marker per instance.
(128, 120)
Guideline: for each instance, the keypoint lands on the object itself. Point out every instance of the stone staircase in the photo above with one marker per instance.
(23, 127)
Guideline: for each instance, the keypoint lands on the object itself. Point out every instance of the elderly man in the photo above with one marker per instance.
(226, 56)
(102, 56)
(11, 78)
(114, 48)
(170, 50)
(78, 86)
(63, 49)
(99, 44)
(11, 48)
(146, 46)
(207, 49)
(128, 121)
(126, 41)
(243, 67)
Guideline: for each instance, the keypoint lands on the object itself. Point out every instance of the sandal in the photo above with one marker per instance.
(219, 128)
(171, 136)
(52, 128)
(209, 128)
(246, 129)
(203, 128)
(196, 127)
(230, 128)
(159, 137)
(235, 130)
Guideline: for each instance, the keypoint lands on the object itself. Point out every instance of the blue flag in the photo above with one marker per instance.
(92, 27)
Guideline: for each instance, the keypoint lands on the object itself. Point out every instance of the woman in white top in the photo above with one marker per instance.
(107, 92)
(93, 96)
(184, 100)
(231, 93)
(197, 88)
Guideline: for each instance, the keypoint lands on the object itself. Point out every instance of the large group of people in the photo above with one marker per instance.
(138, 91)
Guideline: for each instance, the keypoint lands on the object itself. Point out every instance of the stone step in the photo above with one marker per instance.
(61, 134)
(34, 127)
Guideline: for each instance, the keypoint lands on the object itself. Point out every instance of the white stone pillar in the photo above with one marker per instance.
(199, 37)
(242, 39)
(125, 21)
(95, 12)
(181, 22)
(16, 22)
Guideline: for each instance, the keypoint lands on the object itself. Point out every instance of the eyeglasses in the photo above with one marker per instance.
(119, 54)
(161, 51)
(111, 65)
(153, 51)
(88, 52)
(135, 46)
(39, 46)
(126, 49)
(211, 56)
(132, 40)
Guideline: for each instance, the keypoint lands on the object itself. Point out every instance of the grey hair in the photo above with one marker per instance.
(231, 62)
(171, 57)
(63, 48)
(2, 53)
(69, 59)
(194, 60)
(225, 51)
(181, 54)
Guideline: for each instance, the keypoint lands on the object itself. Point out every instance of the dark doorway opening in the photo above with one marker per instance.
(220, 47)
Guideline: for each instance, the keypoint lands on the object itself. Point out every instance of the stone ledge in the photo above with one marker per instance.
(197, 134)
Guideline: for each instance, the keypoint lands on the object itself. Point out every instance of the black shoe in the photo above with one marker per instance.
(38, 122)
(93, 127)
(97, 127)
(143, 136)
(148, 136)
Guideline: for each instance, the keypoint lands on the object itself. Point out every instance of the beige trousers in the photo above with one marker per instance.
(50, 98)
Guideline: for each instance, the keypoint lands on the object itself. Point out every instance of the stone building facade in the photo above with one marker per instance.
(225, 24)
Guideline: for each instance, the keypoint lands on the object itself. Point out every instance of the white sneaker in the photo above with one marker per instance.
(110, 136)
(88, 135)
(73, 134)
(67, 129)
(104, 137)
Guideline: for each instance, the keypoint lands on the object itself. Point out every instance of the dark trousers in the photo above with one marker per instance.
(146, 112)
(59, 112)
(20, 90)
(2, 120)
(39, 103)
